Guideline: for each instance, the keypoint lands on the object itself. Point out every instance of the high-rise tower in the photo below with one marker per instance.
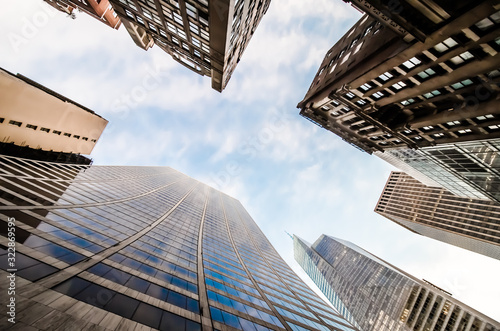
(206, 36)
(413, 81)
(434, 212)
(376, 295)
(134, 247)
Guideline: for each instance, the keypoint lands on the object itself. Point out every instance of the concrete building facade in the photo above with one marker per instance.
(376, 295)
(31, 115)
(139, 248)
(433, 212)
(98, 9)
(206, 36)
(378, 90)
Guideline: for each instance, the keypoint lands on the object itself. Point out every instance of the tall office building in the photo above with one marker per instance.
(133, 248)
(101, 10)
(472, 224)
(376, 295)
(35, 120)
(206, 36)
(398, 81)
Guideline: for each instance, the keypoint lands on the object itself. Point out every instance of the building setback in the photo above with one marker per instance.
(472, 224)
(206, 36)
(110, 247)
(98, 9)
(35, 117)
(375, 295)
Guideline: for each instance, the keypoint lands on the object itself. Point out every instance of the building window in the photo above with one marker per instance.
(438, 135)
(464, 131)
(485, 117)
(140, 20)
(494, 73)
(67, 134)
(431, 94)
(426, 73)
(366, 87)
(462, 84)
(76, 137)
(85, 138)
(428, 128)
(459, 59)
(399, 85)
(494, 127)
(182, 34)
(489, 22)
(191, 10)
(445, 45)
(45, 130)
(408, 102)
(147, 13)
(453, 123)
(129, 14)
(350, 95)
(15, 123)
(385, 76)
(56, 132)
(378, 95)
(361, 102)
(411, 63)
(31, 126)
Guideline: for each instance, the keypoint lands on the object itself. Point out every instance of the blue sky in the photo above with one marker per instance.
(248, 141)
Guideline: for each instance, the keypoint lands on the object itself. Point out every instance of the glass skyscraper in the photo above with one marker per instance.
(133, 248)
(467, 169)
(375, 295)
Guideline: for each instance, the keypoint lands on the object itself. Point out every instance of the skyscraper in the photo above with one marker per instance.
(472, 224)
(417, 77)
(135, 247)
(467, 169)
(36, 117)
(206, 36)
(376, 295)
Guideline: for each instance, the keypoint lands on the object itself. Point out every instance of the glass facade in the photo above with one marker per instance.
(136, 247)
(467, 169)
(375, 295)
